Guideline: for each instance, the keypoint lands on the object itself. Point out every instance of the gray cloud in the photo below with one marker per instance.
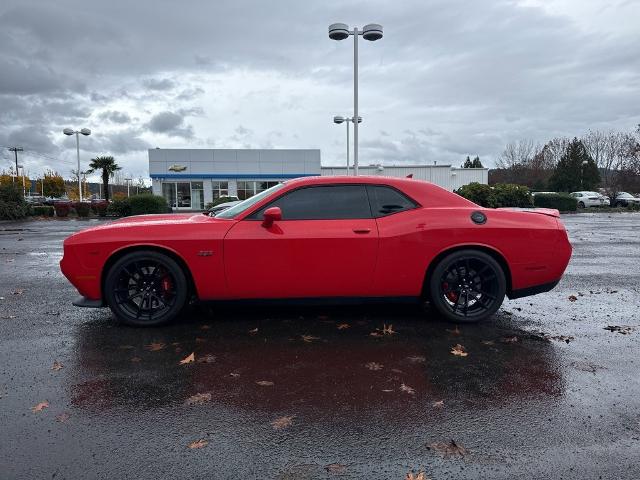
(171, 124)
(159, 84)
(115, 116)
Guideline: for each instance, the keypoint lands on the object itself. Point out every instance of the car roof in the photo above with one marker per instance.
(425, 193)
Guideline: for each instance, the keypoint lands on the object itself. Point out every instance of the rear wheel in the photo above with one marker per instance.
(467, 286)
(146, 288)
(580, 204)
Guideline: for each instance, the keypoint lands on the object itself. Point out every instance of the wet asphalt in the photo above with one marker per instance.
(545, 391)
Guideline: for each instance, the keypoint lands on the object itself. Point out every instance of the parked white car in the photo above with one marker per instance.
(590, 199)
(624, 199)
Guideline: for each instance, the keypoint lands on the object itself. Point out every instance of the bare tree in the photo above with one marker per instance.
(517, 154)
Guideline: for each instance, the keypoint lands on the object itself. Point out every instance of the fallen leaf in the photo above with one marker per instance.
(253, 331)
(265, 383)
(560, 338)
(198, 399)
(39, 407)
(387, 390)
(343, 326)
(438, 404)
(335, 468)
(417, 359)
(309, 338)
(451, 449)
(282, 422)
(373, 366)
(18, 291)
(234, 374)
(388, 330)
(188, 359)
(63, 417)
(459, 351)
(206, 359)
(375, 334)
(198, 444)
(154, 347)
(136, 359)
(623, 329)
(407, 389)
(488, 342)
(56, 366)
(417, 476)
(572, 298)
(513, 339)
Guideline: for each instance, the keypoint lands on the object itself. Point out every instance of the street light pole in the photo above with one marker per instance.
(128, 180)
(85, 132)
(371, 32)
(15, 151)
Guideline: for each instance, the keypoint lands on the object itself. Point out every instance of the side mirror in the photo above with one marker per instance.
(271, 215)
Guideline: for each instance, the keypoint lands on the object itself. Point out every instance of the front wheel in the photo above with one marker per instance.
(580, 204)
(146, 288)
(467, 286)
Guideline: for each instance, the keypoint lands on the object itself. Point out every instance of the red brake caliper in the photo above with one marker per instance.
(166, 285)
(451, 295)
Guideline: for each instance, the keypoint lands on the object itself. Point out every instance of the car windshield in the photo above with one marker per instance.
(624, 195)
(248, 203)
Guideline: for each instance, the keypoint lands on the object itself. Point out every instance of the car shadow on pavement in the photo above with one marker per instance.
(321, 360)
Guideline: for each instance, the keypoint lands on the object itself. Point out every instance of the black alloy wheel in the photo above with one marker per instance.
(467, 286)
(146, 288)
(580, 204)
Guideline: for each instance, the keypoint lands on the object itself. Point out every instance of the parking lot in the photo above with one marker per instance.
(549, 387)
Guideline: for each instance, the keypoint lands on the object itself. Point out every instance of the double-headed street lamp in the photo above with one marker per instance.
(338, 120)
(86, 132)
(371, 32)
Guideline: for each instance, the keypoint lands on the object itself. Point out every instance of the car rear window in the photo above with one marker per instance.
(387, 201)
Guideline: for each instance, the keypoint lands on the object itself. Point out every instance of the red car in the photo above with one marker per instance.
(330, 238)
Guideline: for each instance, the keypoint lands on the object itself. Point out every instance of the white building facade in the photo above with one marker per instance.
(191, 178)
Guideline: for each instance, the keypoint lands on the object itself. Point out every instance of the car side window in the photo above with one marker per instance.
(386, 201)
(326, 202)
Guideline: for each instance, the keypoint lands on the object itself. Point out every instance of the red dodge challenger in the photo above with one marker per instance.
(322, 238)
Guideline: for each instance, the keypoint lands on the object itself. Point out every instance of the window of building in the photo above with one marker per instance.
(331, 202)
(387, 200)
(197, 196)
(219, 189)
(250, 188)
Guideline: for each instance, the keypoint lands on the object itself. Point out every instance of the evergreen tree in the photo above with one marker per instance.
(476, 162)
(467, 163)
(575, 170)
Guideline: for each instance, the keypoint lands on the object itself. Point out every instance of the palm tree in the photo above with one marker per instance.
(108, 166)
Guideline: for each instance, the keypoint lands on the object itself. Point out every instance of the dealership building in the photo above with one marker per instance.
(191, 178)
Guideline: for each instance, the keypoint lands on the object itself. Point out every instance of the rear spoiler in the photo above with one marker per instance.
(550, 212)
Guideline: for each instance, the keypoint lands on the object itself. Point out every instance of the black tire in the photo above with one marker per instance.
(580, 204)
(146, 289)
(467, 286)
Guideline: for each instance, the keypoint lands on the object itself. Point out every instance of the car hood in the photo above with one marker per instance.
(161, 222)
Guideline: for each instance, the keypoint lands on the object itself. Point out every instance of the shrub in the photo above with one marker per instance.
(147, 203)
(12, 204)
(478, 193)
(561, 201)
(83, 209)
(511, 195)
(100, 207)
(62, 208)
(119, 208)
(42, 211)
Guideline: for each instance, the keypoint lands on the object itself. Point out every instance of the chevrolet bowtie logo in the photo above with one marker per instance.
(177, 168)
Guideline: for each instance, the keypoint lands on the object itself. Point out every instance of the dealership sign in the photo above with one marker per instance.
(177, 168)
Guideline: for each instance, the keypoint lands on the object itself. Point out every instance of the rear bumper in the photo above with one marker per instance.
(534, 290)
(87, 302)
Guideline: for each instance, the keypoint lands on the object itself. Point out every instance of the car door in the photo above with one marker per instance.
(325, 246)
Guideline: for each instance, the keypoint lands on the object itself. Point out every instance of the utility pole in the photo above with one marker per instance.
(15, 150)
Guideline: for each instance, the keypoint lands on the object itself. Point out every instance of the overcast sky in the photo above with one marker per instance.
(450, 78)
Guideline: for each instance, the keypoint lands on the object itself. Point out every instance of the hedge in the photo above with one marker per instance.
(218, 201)
(42, 211)
(100, 208)
(62, 208)
(138, 205)
(12, 204)
(83, 209)
(561, 201)
(499, 195)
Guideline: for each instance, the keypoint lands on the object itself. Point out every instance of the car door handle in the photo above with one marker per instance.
(361, 230)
